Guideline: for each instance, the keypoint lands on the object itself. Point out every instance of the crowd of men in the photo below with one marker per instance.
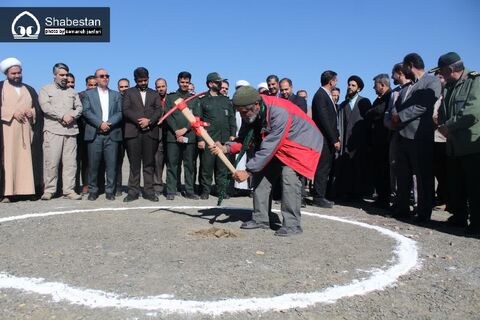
(393, 149)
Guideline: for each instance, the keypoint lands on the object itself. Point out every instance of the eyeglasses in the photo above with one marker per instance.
(103, 76)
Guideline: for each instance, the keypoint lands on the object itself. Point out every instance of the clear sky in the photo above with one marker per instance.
(252, 39)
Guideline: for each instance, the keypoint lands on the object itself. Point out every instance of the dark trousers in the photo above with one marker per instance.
(103, 147)
(440, 169)
(141, 151)
(323, 171)
(211, 164)
(463, 176)
(415, 157)
(381, 171)
(175, 153)
(159, 164)
(120, 156)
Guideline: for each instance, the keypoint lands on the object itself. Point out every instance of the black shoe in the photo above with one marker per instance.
(285, 232)
(204, 196)
(472, 231)
(322, 203)
(304, 203)
(130, 198)
(92, 196)
(151, 197)
(170, 197)
(109, 196)
(421, 220)
(191, 196)
(455, 221)
(252, 224)
(118, 193)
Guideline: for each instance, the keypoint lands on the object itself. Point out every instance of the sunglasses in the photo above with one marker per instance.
(103, 76)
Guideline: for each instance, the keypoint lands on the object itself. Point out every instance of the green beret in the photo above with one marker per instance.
(214, 76)
(245, 96)
(446, 60)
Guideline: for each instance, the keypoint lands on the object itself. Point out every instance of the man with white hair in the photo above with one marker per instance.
(19, 135)
(62, 107)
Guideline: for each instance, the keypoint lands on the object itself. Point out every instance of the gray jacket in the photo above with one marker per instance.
(416, 111)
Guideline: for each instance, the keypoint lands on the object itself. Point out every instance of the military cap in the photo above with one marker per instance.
(358, 80)
(446, 60)
(245, 96)
(214, 76)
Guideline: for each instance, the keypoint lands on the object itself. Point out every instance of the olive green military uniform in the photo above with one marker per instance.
(177, 152)
(218, 112)
(462, 109)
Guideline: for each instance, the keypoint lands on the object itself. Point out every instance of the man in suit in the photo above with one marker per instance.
(325, 117)
(102, 111)
(414, 122)
(286, 92)
(142, 109)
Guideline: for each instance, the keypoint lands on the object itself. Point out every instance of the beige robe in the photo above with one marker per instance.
(17, 138)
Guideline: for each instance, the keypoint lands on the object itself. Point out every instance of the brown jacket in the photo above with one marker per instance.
(133, 110)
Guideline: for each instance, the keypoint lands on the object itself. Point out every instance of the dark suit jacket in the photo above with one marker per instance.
(92, 113)
(133, 109)
(325, 117)
(299, 101)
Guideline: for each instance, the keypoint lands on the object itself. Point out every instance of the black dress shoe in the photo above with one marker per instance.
(170, 197)
(151, 197)
(130, 198)
(191, 196)
(252, 224)
(109, 196)
(322, 203)
(304, 203)
(92, 196)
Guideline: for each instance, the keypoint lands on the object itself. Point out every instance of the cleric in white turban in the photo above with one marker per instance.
(8, 63)
(21, 136)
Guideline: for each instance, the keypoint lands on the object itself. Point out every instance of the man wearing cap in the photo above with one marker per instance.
(262, 88)
(216, 110)
(414, 121)
(62, 107)
(461, 126)
(286, 146)
(351, 171)
(181, 140)
(20, 135)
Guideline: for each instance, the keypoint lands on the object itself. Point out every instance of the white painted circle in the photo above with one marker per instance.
(405, 252)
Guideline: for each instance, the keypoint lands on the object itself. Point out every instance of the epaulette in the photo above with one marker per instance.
(473, 74)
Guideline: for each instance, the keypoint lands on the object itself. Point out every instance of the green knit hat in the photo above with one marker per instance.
(245, 96)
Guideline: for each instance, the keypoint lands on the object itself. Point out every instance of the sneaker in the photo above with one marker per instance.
(252, 224)
(47, 196)
(285, 232)
(74, 196)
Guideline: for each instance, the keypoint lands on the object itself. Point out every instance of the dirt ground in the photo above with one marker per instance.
(200, 254)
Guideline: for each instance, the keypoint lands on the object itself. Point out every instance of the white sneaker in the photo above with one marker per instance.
(47, 196)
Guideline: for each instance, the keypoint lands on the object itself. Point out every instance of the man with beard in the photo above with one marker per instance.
(216, 110)
(142, 109)
(62, 108)
(181, 140)
(286, 145)
(160, 156)
(352, 179)
(122, 85)
(21, 135)
(414, 121)
(380, 140)
(461, 126)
